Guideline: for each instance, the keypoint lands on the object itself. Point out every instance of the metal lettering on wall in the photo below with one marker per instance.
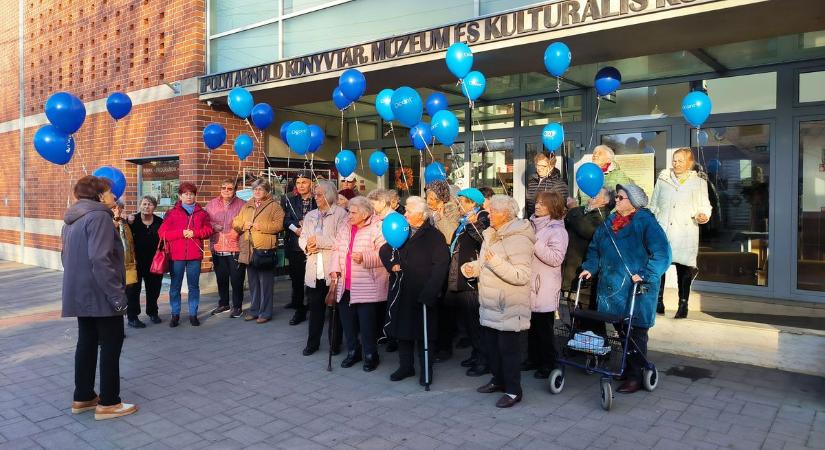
(536, 19)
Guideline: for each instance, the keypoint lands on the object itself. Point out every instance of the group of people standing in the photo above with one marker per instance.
(470, 266)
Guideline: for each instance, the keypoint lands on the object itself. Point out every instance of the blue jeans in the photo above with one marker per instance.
(192, 268)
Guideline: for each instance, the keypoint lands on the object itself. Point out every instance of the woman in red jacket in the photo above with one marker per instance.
(184, 228)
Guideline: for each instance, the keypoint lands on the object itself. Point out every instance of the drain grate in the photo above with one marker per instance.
(694, 373)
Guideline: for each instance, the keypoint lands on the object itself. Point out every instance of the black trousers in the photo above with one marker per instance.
(107, 332)
(228, 271)
(636, 357)
(359, 319)
(447, 327)
(317, 314)
(541, 349)
(467, 311)
(684, 277)
(153, 283)
(406, 358)
(504, 353)
(297, 272)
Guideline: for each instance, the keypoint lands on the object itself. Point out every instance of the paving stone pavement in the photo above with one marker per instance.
(232, 384)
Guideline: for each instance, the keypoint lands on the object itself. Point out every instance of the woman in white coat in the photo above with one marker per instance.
(680, 204)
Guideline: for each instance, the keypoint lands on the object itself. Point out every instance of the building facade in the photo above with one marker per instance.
(761, 61)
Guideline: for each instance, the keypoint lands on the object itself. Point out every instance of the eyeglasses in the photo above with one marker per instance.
(224, 188)
(620, 198)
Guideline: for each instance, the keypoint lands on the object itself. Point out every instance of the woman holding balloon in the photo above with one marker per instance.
(420, 265)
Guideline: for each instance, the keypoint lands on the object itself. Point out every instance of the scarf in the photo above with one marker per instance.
(621, 221)
(190, 209)
(461, 224)
(605, 167)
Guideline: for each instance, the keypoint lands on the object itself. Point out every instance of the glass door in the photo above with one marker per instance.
(565, 159)
(810, 254)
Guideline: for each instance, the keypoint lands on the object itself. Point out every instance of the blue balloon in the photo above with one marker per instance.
(696, 108)
(352, 84)
(345, 162)
(341, 101)
(649, 149)
(316, 138)
(395, 229)
(445, 127)
(459, 59)
(383, 104)
(474, 84)
(719, 132)
(436, 102)
(243, 146)
(283, 129)
(298, 137)
(631, 142)
(421, 136)
(66, 112)
(608, 79)
(434, 172)
(648, 135)
(702, 138)
(557, 58)
(118, 104)
(240, 102)
(552, 136)
(406, 106)
(53, 145)
(590, 178)
(714, 165)
(115, 177)
(262, 115)
(214, 136)
(379, 163)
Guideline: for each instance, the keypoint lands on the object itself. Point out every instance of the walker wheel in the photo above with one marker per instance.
(556, 381)
(650, 379)
(607, 395)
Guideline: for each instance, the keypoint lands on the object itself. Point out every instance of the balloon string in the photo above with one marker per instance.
(400, 161)
(454, 164)
(79, 155)
(396, 286)
(205, 169)
(701, 150)
(341, 140)
(358, 136)
(432, 158)
(463, 86)
(69, 193)
(487, 149)
(308, 162)
(254, 134)
(558, 92)
(595, 121)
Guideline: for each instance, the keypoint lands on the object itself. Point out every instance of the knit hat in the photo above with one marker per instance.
(349, 194)
(473, 194)
(302, 175)
(635, 194)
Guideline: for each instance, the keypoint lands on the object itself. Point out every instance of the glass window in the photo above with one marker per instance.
(491, 165)
(811, 87)
(810, 265)
(640, 155)
(545, 110)
(367, 129)
(733, 246)
(793, 47)
(356, 21)
(227, 15)
(291, 6)
(744, 93)
(652, 102)
(493, 117)
(411, 162)
(495, 6)
(452, 158)
(160, 179)
(245, 49)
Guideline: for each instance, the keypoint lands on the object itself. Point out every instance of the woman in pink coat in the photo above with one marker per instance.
(361, 281)
(548, 255)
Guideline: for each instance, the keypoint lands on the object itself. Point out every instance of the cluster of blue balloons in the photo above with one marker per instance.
(302, 138)
(395, 229)
(242, 105)
(351, 86)
(590, 178)
(460, 62)
(54, 141)
(696, 108)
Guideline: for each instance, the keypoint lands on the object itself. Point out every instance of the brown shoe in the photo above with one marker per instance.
(79, 407)
(114, 411)
(489, 388)
(630, 386)
(249, 317)
(506, 401)
(262, 320)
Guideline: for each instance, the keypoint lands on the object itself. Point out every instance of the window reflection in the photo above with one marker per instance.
(492, 165)
(811, 239)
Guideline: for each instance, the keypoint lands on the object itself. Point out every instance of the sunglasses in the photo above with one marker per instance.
(620, 198)
(223, 188)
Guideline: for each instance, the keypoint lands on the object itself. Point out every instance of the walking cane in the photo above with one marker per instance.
(426, 352)
(330, 300)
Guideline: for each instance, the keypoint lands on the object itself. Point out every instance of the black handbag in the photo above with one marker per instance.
(262, 259)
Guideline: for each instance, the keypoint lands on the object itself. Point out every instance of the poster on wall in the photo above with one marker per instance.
(161, 180)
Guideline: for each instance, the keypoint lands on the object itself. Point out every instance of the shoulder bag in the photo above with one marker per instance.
(160, 262)
(262, 259)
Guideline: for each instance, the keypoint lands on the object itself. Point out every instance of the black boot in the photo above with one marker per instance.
(682, 312)
(370, 362)
(660, 307)
(175, 321)
(351, 359)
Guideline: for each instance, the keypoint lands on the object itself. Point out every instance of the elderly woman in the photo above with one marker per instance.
(380, 200)
(344, 196)
(318, 241)
(680, 204)
(395, 201)
(184, 228)
(120, 219)
(361, 281)
(93, 291)
(548, 256)
(503, 272)
(604, 157)
(225, 248)
(461, 292)
(546, 179)
(420, 267)
(144, 229)
(631, 249)
(258, 224)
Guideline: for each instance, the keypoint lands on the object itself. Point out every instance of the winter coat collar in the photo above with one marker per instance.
(544, 222)
(668, 176)
(511, 228)
(83, 207)
(179, 206)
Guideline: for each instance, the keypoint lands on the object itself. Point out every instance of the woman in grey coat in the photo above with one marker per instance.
(94, 291)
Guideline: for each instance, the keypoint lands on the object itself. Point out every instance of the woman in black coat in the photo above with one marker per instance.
(417, 273)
